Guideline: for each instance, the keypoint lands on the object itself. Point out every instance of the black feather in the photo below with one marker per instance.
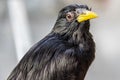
(64, 54)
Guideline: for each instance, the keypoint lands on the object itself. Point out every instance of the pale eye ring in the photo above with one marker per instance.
(69, 16)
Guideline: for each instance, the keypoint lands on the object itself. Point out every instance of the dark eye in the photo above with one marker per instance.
(70, 16)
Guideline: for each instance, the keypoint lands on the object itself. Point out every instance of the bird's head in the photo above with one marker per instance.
(73, 18)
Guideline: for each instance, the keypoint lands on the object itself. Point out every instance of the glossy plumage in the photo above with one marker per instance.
(64, 54)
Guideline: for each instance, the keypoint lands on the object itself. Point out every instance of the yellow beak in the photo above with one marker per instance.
(86, 16)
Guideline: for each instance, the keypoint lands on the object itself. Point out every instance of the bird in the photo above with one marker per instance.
(66, 53)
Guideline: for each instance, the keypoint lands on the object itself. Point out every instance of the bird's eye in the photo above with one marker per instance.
(69, 16)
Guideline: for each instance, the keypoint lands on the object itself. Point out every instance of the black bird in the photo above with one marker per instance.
(65, 53)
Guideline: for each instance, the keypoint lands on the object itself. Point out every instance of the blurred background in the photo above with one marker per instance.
(25, 22)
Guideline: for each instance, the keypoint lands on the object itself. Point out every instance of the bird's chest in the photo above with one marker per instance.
(84, 47)
(86, 52)
(81, 47)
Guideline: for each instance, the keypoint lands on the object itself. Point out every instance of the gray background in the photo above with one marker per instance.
(41, 16)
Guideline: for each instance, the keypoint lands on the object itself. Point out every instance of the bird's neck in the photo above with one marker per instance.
(79, 37)
(74, 36)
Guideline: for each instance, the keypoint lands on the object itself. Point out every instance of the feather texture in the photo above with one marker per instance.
(64, 54)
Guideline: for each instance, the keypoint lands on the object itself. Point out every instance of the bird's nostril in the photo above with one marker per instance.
(76, 20)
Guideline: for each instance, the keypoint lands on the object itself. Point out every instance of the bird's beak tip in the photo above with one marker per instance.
(86, 16)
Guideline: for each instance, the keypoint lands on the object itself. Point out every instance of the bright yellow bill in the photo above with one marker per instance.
(86, 16)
